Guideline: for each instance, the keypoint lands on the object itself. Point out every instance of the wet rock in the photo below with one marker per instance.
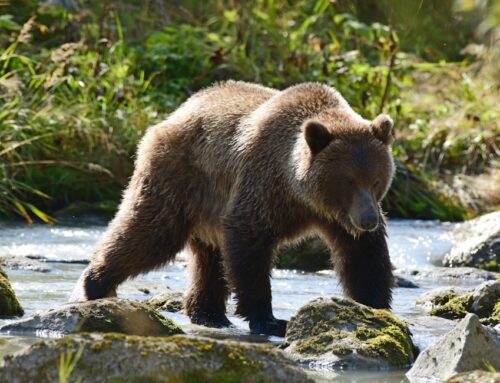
(477, 243)
(467, 347)
(24, 263)
(477, 376)
(42, 258)
(144, 290)
(440, 296)
(403, 282)
(121, 358)
(456, 303)
(9, 304)
(451, 274)
(171, 302)
(103, 315)
(340, 333)
(309, 255)
(486, 299)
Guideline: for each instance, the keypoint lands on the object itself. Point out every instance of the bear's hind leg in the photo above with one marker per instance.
(205, 302)
(143, 236)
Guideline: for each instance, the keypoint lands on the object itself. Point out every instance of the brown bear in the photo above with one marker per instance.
(239, 169)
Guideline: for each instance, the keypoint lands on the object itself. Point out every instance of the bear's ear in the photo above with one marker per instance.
(317, 136)
(382, 129)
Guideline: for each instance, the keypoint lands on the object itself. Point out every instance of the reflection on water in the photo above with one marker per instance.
(61, 251)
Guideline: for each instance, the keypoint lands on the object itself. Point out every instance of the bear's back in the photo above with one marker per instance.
(219, 111)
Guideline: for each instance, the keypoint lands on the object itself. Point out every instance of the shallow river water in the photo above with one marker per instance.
(46, 261)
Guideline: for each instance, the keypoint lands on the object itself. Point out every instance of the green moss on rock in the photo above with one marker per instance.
(177, 359)
(443, 299)
(103, 315)
(454, 308)
(494, 318)
(343, 331)
(484, 301)
(172, 302)
(9, 304)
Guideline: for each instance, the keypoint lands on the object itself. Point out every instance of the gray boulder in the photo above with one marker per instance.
(486, 299)
(341, 333)
(477, 243)
(120, 358)
(467, 347)
(103, 315)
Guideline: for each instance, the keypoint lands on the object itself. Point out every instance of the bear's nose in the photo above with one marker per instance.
(369, 221)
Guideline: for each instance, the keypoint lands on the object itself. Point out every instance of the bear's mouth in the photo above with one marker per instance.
(369, 226)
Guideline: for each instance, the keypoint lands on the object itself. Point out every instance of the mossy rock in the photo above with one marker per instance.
(311, 254)
(103, 315)
(440, 296)
(9, 304)
(484, 301)
(344, 334)
(477, 376)
(172, 302)
(176, 359)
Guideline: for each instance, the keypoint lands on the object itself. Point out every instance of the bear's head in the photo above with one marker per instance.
(346, 167)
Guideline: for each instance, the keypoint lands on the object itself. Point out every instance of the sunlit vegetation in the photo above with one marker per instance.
(80, 84)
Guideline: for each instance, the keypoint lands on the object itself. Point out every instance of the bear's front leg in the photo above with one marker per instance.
(248, 261)
(363, 265)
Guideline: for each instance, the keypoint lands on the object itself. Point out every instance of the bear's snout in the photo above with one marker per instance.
(364, 213)
(369, 220)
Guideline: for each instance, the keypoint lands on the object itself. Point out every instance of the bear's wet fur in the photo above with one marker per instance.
(238, 170)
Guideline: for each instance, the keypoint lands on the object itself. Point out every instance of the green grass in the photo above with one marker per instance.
(79, 88)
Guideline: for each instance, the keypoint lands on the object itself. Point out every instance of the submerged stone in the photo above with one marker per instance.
(103, 315)
(405, 283)
(467, 347)
(344, 334)
(119, 358)
(477, 243)
(9, 304)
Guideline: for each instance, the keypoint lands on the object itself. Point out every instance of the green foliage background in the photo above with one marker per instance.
(80, 81)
